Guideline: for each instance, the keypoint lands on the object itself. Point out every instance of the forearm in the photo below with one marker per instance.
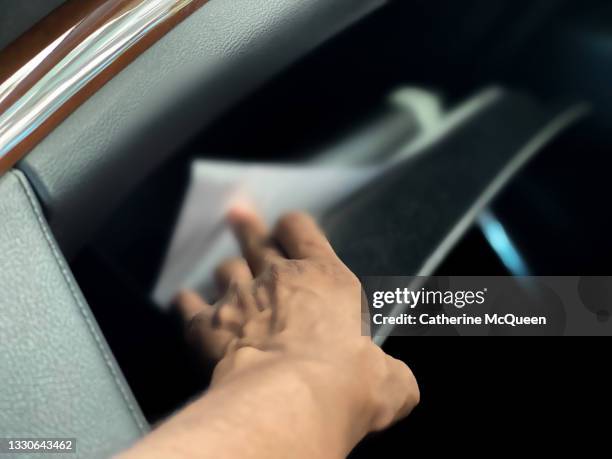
(296, 377)
(264, 412)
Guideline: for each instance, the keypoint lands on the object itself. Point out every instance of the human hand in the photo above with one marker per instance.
(291, 304)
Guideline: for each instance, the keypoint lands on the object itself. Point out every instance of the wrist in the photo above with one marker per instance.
(342, 400)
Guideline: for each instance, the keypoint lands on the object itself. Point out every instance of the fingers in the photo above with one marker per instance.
(199, 329)
(232, 271)
(254, 239)
(300, 237)
(190, 304)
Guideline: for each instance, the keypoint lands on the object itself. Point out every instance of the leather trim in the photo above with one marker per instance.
(58, 375)
(152, 108)
(83, 309)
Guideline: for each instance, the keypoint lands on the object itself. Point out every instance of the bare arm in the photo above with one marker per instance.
(295, 377)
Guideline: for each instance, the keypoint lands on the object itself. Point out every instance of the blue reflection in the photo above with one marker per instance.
(500, 242)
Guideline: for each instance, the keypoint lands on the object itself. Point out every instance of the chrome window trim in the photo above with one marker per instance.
(89, 58)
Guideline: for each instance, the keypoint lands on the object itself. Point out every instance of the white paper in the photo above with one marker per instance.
(202, 238)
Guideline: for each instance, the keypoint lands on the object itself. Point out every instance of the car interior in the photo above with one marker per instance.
(496, 114)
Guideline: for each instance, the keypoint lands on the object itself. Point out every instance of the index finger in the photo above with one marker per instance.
(254, 238)
(301, 237)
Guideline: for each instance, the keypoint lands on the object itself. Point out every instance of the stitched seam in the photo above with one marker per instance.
(76, 297)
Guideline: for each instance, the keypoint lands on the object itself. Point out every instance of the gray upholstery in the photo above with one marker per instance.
(57, 375)
(213, 58)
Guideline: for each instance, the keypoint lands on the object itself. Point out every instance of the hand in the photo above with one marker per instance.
(291, 304)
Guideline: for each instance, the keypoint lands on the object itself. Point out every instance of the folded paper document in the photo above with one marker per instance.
(202, 238)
